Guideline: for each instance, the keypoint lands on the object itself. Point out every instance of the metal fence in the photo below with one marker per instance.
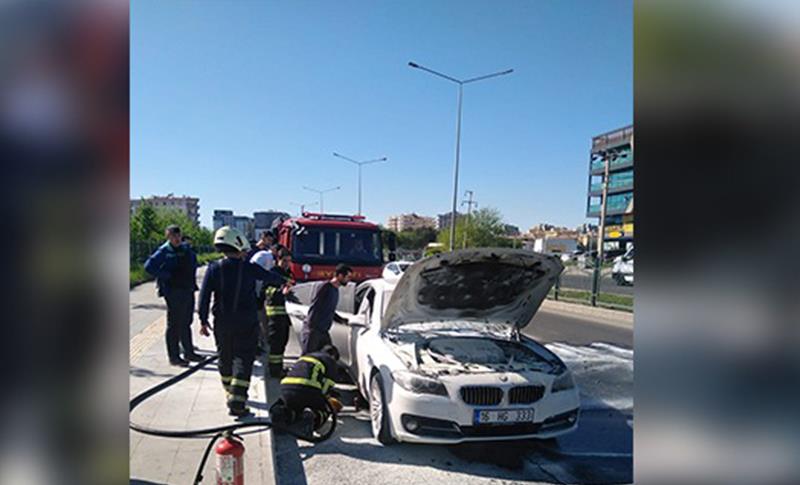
(141, 250)
(576, 285)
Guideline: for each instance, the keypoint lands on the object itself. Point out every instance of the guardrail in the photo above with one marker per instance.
(572, 289)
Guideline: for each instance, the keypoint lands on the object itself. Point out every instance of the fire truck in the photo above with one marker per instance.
(318, 242)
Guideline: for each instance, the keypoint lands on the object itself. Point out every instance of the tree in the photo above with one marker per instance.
(416, 238)
(483, 228)
(145, 224)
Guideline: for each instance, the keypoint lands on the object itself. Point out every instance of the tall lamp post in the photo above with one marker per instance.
(321, 193)
(360, 164)
(461, 84)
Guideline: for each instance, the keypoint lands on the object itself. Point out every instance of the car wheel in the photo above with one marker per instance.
(378, 412)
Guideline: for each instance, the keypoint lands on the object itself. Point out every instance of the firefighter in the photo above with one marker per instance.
(278, 323)
(307, 387)
(232, 281)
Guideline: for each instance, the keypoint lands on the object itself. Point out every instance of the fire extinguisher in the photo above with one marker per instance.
(230, 460)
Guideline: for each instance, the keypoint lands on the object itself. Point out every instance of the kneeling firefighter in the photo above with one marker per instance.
(278, 323)
(307, 390)
(232, 281)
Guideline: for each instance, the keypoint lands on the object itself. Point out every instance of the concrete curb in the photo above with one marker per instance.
(604, 315)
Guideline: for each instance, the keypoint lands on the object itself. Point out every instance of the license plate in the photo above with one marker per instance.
(503, 416)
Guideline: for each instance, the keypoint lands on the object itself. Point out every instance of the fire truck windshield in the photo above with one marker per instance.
(322, 245)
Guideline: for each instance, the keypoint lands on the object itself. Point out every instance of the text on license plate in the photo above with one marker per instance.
(500, 416)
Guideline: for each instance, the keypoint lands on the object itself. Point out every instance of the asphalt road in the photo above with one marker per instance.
(599, 353)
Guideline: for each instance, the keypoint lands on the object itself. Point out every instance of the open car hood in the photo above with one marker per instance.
(492, 285)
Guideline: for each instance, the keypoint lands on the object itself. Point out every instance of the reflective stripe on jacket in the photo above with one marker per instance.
(310, 371)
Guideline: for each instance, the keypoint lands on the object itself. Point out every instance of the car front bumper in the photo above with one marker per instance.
(424, 418)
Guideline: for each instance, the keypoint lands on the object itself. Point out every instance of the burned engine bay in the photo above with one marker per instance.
(453, 355)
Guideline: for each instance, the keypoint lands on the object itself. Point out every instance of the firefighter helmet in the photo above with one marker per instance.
(229, 238)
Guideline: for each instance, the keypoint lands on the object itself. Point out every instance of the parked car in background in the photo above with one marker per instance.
(622, 271)
(439, 355)
(392, 271)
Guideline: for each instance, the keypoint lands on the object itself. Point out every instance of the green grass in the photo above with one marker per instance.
(610, 300)
(138, 275)
(206, 258)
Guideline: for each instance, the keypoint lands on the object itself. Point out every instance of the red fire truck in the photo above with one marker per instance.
(318, 242)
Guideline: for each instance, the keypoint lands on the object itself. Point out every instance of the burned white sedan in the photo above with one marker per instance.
(439, 354)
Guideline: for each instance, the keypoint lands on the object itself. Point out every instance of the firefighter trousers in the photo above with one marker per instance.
(277, 338)
(297, 398)
(237, 350)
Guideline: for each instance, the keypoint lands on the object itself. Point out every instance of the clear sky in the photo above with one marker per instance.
(242, 103)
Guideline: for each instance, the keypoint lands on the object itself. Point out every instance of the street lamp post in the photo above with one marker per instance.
(461, 84)
(320, 193)
(360, 164)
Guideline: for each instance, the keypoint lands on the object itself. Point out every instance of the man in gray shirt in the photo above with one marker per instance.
(322, 312)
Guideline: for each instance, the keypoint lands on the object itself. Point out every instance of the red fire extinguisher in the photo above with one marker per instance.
(230, 460)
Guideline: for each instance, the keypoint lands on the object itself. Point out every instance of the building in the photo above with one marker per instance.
(188, 205)
(245, 225)
(262, 221)
(408, 222)
(615, 149)
(444, 219)
(223, 218)
(511, 230)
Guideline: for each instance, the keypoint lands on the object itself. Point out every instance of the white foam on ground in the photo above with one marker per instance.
(603, 373)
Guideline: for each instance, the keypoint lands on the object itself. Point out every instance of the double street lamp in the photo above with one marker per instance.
(461, 84)
(360, 164)
(321, 193)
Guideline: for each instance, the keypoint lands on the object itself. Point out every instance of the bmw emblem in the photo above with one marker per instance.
(504, 378)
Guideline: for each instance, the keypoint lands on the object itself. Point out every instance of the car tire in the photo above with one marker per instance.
(379, 412)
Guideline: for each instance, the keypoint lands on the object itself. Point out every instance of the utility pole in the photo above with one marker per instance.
(607, 157)
(303, 206)
(469, 204)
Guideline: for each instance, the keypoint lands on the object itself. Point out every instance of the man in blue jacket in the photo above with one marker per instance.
(174, 265)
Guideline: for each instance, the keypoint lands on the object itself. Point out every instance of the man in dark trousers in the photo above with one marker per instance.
(174, 264)
(322, 312)
(277, 321)
(306, 388)
(232, 281)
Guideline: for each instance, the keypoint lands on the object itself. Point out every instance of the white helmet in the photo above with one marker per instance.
(227, 238)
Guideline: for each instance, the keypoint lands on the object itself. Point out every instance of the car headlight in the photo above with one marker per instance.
(419, 384)
(563, 382)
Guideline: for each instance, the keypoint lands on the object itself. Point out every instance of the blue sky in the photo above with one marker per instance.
(243, 103)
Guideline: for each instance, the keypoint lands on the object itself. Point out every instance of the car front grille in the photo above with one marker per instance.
(525, 394)
(482, 395)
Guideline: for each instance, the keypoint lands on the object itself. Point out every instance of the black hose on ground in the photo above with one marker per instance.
(217, 431)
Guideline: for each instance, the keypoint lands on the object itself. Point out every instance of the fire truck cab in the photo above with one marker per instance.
(318, 242)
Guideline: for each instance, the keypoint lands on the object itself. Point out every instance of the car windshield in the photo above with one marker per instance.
(322, 245)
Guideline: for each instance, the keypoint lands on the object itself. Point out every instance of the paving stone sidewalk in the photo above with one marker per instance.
(198, 401)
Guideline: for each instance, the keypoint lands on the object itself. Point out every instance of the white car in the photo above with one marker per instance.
(393, 270)
(622, 271)
(440, 356)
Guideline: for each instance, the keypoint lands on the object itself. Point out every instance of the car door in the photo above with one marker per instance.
(360, 324)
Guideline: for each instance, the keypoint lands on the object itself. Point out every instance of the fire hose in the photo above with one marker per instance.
(215, 432)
